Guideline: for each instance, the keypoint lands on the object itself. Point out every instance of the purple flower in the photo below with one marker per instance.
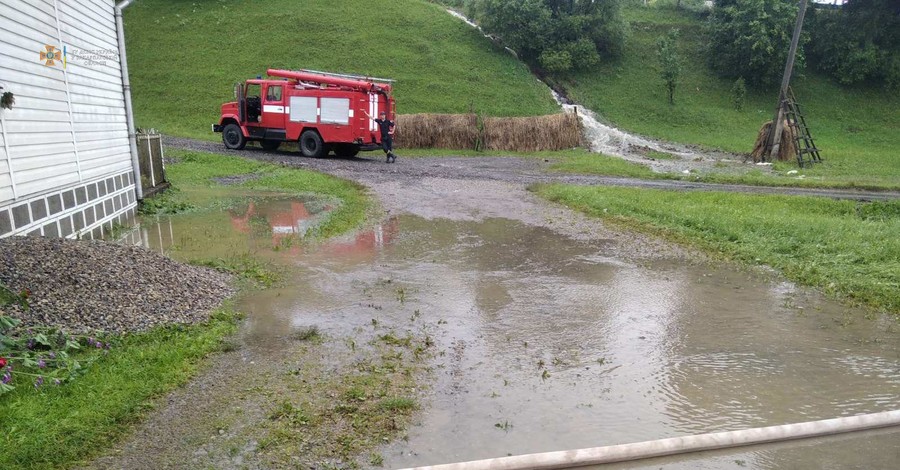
(39, 382)
(30, 344)
(7, 378)
(57, 381)
(99, 345)
(41, 364)
(52, 355)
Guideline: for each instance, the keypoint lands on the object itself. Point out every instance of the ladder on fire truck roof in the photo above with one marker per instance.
(344, 75)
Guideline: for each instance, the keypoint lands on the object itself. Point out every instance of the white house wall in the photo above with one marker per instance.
(65, 162)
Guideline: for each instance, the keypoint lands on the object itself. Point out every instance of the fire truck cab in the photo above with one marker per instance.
(320, 111)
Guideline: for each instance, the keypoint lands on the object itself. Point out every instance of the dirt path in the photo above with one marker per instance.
(371, 168)
(512, 324)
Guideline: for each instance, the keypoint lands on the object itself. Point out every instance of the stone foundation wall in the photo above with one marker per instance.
(87, 210)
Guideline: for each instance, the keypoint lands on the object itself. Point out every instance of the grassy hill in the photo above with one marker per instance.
(184, 57)
(856, 128)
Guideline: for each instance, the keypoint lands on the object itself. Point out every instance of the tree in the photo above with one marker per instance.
(750, 38)
(669, 61)
(555, 35)
(858, 42)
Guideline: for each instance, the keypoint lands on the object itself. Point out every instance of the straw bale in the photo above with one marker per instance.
(786, 151)
(533, 133)
(449, 131)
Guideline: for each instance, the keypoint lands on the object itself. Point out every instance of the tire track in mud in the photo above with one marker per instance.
(520, 170)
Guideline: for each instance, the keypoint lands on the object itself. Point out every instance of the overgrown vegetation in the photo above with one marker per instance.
(57, 426)
(858, 42)
(440, 63)
(750, 39)
(849, 250)
(553, 35)
(854, 127)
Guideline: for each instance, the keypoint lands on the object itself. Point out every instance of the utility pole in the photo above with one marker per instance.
(774, 140)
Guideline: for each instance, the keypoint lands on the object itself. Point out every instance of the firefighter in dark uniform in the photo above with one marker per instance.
(387, 136)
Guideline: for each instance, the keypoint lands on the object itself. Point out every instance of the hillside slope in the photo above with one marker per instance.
(856, 128)
(185, 56)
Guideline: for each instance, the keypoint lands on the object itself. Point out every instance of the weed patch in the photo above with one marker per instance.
(55, 426)
(245, 267)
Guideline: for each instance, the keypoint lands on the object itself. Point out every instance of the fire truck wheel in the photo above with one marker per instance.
(346, 150)
(233, 138)
(270, 145)
(311, 144)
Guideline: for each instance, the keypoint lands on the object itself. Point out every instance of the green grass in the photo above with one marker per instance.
(195, 170)
(847, 249)
(60, 426)
(855, 128)
(599, 164)
(184, 57)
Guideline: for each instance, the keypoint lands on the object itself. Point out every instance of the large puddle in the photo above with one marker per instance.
(548, 343)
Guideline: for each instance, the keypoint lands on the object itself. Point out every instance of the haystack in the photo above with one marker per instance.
(786, 151)
(448, 131)
(532, 134)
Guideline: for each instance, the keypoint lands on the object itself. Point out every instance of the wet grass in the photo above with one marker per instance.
(847, 249)
(58, 427)
(184, 57)
(584, 162)
(61, 427)
(855, 127)
(245, 267)
(197, 170)
(333, 419)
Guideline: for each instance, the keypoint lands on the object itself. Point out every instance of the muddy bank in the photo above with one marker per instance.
(83, 286)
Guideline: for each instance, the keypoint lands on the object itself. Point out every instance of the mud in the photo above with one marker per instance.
(516, 170)
(549, 332)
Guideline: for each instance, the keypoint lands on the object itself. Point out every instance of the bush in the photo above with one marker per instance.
(554, 35)
(858, 42)
(669, 62)
(738, 93)
(751, 38)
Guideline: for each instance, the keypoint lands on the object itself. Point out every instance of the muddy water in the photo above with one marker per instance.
(544, 342)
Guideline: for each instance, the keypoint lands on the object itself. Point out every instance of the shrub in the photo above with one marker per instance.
(751, 38)
(738, 93)
(669, 62)
(556, 36)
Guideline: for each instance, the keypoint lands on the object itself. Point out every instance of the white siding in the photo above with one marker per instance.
(68, 124)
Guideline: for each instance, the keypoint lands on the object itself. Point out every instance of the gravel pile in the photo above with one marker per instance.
(95, 285)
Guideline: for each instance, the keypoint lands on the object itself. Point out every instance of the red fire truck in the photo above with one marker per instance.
(320, 111)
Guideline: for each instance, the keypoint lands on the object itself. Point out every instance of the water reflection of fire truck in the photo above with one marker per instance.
(366, 244)
(288, 219)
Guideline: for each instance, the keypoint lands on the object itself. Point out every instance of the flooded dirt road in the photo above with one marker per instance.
(547, 331)
(522, 170)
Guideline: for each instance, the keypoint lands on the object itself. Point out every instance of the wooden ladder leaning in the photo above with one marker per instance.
(807, 153)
